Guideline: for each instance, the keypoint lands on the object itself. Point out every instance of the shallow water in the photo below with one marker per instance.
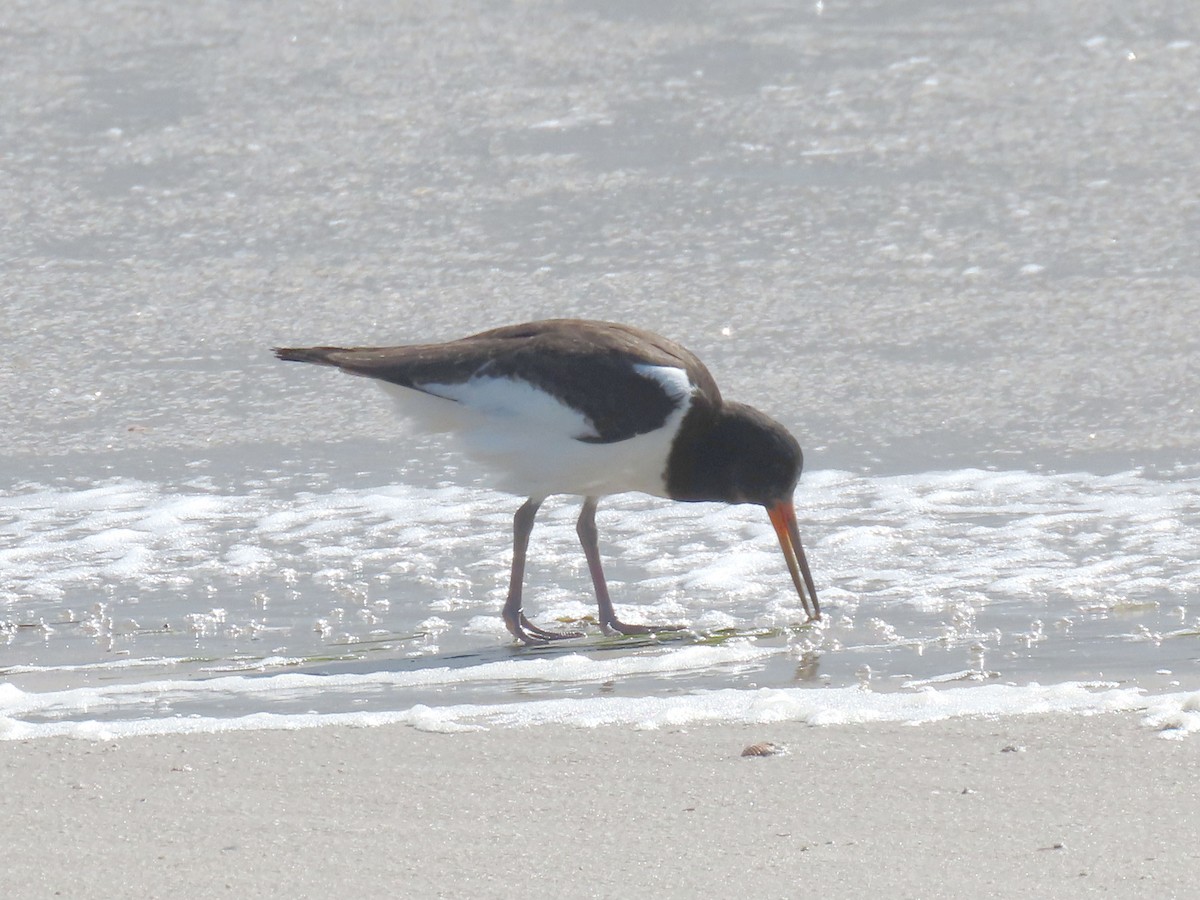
(948, 245)
(931, 579)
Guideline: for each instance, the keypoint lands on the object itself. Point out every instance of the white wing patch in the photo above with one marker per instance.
(674, 381)
(517, 403)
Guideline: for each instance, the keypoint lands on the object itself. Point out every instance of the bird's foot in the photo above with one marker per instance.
(616, 628)
(531, 635)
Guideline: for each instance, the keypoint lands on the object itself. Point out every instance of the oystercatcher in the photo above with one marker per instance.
(568, 406)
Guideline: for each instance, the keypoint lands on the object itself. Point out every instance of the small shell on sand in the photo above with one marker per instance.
(763, 748)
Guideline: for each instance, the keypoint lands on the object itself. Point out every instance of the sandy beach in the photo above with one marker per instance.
(1018, 806)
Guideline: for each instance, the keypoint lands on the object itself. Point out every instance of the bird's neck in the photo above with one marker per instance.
(703, 453)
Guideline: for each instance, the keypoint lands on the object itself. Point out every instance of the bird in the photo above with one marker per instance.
(588, 408)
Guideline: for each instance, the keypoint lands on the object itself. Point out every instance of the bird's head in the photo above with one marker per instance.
(739, 455)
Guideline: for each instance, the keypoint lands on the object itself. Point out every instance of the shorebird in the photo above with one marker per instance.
(568, 406)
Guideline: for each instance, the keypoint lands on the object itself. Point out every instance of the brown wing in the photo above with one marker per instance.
(588, 365)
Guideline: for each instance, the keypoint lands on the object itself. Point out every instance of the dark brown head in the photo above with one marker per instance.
(736, 454)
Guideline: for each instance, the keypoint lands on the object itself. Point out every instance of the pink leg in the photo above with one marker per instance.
(589, 538)
(522, 629)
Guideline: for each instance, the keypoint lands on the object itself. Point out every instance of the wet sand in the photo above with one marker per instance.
(1020, 806)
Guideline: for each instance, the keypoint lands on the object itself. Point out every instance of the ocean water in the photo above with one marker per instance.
(148, 596)
(940, 243)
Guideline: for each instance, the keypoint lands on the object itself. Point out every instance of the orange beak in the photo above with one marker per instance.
(783, 517)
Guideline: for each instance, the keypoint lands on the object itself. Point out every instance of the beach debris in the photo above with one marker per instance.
(764, 748)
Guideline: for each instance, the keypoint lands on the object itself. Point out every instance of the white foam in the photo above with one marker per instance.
(570, 668)
(882, 540)
(1028, 569)
(1175, 714)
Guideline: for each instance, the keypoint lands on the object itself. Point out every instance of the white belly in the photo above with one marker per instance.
(527, 440)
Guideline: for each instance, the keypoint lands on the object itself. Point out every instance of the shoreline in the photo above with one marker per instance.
(239, 703)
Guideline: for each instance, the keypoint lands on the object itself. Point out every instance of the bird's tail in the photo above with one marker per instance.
(318, 355)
